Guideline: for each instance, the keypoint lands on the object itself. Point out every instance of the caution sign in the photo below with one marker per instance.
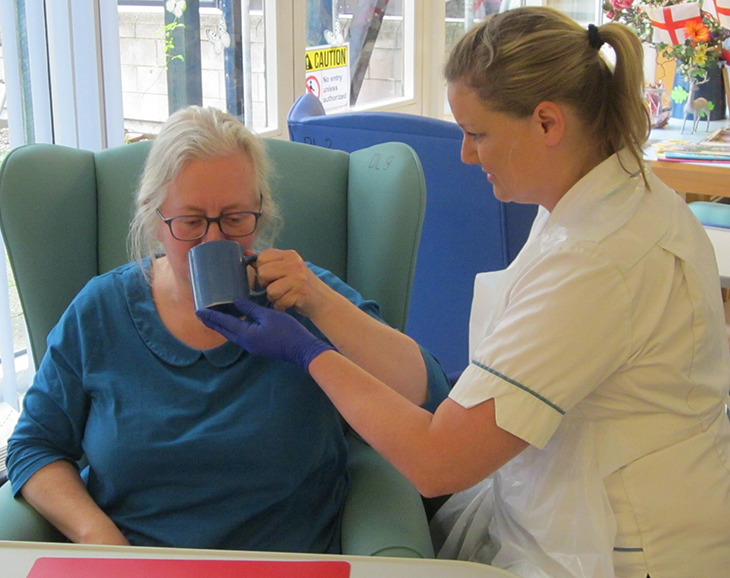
(328, 75)
(324, 57)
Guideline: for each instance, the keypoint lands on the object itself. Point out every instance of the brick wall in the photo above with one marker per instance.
(144, 78)
(144, 81)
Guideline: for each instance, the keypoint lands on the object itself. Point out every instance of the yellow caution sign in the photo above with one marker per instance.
(323, 58)
(328, 75)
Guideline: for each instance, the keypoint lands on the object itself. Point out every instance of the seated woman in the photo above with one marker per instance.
(192, 442)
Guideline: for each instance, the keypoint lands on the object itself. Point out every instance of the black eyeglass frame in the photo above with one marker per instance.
(208, 220)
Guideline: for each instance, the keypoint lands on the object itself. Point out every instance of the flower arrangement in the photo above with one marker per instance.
(678, 29)
(633, 14)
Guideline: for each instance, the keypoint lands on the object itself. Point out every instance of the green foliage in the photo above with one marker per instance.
(679, 94)
(167, 32)
(632, 15)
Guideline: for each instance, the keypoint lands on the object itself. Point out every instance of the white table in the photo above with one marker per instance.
(721, 242)
(17, 558)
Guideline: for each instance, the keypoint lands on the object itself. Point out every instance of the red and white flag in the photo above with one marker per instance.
(669, 21)
(722, 11)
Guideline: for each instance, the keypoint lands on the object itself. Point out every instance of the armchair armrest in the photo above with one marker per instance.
(384, 513)
(19, 521)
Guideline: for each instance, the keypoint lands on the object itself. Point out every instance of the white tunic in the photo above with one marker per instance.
(604, 347)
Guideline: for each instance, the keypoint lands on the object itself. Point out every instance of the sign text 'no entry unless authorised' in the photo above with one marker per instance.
(328, 75)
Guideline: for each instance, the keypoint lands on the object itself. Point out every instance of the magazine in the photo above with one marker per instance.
(714, 147)
(720, 137)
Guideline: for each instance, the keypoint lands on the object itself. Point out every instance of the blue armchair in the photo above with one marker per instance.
(466, 230)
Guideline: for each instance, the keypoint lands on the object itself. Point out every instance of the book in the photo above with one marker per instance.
(185, 568)
(715, 147)
(702, 157)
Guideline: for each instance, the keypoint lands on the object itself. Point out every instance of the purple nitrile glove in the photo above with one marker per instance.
(266, 332)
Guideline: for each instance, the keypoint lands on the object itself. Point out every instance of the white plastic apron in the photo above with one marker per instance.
(520, 518)
(546, 513)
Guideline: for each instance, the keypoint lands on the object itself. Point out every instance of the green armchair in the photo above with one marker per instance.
(65, 213)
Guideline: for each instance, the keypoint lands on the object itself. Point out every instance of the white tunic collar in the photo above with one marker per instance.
(599, 203)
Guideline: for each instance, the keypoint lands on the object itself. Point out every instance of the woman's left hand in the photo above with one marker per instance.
(289, 283)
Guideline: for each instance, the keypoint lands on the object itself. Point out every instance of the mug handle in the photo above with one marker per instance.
(247, 260)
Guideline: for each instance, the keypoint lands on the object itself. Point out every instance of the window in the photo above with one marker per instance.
(173, 54)
(19, 101)
(16, 104)
(377, 36)
(463, 14)
(203, 3)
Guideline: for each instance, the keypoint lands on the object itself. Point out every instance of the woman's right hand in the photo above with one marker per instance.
(109, 535)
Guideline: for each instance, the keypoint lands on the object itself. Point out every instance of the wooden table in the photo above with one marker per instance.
(688, 177)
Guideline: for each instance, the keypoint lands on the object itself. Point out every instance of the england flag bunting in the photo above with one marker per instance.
(669, 21)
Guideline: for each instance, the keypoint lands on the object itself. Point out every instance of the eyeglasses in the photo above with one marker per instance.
(194, 227)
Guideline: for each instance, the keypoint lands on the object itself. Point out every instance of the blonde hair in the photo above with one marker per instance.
(519, 58)
(196, 133)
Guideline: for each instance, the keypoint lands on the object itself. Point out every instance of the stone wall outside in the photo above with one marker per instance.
(144, 81)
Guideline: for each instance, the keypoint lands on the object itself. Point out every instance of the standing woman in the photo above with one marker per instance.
(590, 427)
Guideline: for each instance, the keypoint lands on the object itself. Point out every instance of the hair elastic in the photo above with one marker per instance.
(594, 38)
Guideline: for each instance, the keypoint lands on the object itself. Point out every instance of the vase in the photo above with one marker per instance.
(713, 90)
(660, 109)
(649, 62)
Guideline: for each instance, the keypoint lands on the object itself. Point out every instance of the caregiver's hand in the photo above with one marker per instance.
(290, 283)
(266, 332)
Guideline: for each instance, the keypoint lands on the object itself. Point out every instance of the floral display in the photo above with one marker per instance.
(679, 30)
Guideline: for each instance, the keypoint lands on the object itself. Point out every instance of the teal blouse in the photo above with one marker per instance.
(186, 448)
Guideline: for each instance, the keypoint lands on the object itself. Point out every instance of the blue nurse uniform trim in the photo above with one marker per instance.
(522, 387)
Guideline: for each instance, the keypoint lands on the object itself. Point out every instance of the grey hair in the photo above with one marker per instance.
(189, 134)
(519, 58)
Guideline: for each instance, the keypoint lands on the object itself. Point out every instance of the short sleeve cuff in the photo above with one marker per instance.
(20, 475)
(518, 410)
